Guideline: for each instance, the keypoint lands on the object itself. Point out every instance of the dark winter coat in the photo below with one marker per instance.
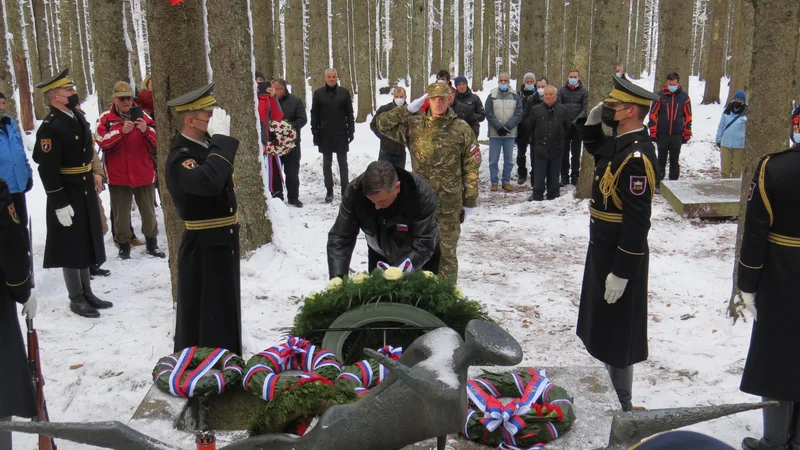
(200, 180)
(522, 132)
(548, 128)
(473, 113)
(671, 115)
(332, 121)
(532, 101)
(294, 112)
(769, 265)
(406, 229)
(17, 396)
(64, 151)
(576, 99)
(387, 145)
(616, 334)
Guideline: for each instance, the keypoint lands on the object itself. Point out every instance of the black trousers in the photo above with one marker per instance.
(432, 265)
(291, 170)
(669, 147)
(572, 149)
(523, 142)
(327, 171)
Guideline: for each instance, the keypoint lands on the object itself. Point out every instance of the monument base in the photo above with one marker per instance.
(703, 198)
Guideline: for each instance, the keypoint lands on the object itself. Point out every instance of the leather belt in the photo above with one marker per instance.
(208, 224)
(605, 216)
(783, 241)
(75, 170)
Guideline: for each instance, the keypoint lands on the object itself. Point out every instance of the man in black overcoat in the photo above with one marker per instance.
(612, 319)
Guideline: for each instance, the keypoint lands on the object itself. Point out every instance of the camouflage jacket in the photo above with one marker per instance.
(444, 153)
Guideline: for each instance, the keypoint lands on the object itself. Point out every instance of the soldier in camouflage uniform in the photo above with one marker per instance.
(444, 153)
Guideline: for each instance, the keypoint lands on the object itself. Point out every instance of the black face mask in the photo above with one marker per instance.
(737, 106)
(73, 101)
(607, 117)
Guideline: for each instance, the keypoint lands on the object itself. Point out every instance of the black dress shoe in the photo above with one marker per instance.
(522, 180)
(296, 203)
(95, 302)
(95, 270)
(329, 198)
(278, 195)
(81, 307)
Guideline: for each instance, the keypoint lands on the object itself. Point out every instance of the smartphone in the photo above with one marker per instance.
(136, 113)
(262, 88)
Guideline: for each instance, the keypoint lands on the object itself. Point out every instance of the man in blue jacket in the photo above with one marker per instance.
(14, 166)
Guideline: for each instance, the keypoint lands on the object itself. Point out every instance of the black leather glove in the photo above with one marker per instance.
(316, 141)
(350, 138)
(502, 131)
(29, 186)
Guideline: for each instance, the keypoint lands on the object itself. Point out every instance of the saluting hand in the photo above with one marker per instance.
(141, 125)
(127, 127)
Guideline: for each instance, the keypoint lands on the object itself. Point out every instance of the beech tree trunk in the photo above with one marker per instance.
(363, 62)
(263, 37)
(555, 53)
(675, 41)
(742, 47)
(715, 64)
(39, 107)
(436, 36)
(448, 36)
(419, 71)
(398, 55)
(341, 44)
(478, 71)
(490, 38)
(85, 37)
(318, 56)
(295, 74)
(110, 53)
(75, 59)
(277, 44)
(536, 23)
(134, 69)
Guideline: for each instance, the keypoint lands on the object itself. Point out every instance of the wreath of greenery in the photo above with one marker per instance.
(367, 373)
(442, 298)
(550, 415)
(197, 372)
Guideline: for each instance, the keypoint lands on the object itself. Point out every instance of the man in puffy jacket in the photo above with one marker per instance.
(504, 113)
(473, 112)
(391, 151)
(397, 211)
(576, 98)
(127, 137)
(730, 136)
(14, 166)
(671, 126)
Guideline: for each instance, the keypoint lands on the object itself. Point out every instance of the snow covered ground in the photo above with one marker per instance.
(523, 260)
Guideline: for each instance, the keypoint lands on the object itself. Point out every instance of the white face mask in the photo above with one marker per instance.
(399, 101)
(540, 91)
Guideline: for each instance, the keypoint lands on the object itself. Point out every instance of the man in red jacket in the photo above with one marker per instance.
(127, 136)
(670, 126)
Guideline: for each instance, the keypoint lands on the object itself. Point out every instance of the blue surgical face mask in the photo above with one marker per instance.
(573, 81)
(503, 87)
(673, 88)
(530, 87)
(796, 137)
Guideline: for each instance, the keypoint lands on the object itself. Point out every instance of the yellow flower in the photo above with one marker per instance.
(334, 284)
(393, 274)
(459, 292)
(360, 278)
(428, 274)
(310, 297)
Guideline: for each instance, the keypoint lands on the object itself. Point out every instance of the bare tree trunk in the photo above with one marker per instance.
(675, 48)
(555, 54)
(65, 51)
(436, 35)
(277, 46)
(87, 56)
(14, 22)
(742, 47)
(80, 58)
(478, 72)
(363, 62)
(380, 30)
(775, 42)
(263, 37)
(460, 37)
(580, 33)
(527, 46)
(624, 33)
(419, 73)
(341, 45)
(448, 35)
(605, 46)
(635, 61)
(39, 107)
(715, 64)
(134, 69)
(398, 57)
(318, 56)
(6, 70)
(293, 20)
(536, 26)
(110, 53)
(229, 34)
(73, 56)
(490, 38)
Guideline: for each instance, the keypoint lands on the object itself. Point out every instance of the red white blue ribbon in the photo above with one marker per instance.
(184, 360)
(391, 352)
(202, 369)
(406, 266)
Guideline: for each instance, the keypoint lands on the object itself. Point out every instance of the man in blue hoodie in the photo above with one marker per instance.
(14, 166)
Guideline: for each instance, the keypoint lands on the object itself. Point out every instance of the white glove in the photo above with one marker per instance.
(417, 104)
(468, 212)
(615, 286)
(29, 308)
(749, 300)
(220, 123)
(65, 215)
(595, 115)
(406, 266)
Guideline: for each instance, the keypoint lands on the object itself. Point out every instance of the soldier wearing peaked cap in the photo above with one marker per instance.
(612, 319)
(64, 151)
(199, 176)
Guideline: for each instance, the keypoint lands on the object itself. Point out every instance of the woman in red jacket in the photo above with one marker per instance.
(269, 110)
(145, 97)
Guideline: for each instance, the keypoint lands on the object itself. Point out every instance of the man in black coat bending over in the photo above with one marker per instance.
(397, 211)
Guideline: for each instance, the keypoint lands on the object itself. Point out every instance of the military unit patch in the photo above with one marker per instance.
(752, 189)
(46, 145)
(402, 227)
(638, 185)
(12, 211)
(476, 153)
(190, 164)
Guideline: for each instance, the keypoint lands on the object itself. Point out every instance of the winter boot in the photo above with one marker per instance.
(493, 188)
(622, 380)
(152, 248)
(81, 307)
(296, 203)
(329, 196)
(507, 187)
(522, 180)
(777, 421)
(125, 251)
(92, 299)
(95, 270)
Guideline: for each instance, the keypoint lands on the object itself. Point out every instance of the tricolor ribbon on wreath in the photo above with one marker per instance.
(186, 389)
(391, 352)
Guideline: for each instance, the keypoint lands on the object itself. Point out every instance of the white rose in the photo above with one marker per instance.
(459, 293)
(310, 297)
(428, 274)
(334, 284)
(393, 274)
(360, 278)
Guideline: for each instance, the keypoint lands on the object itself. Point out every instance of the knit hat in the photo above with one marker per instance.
(460, 79)
(740, 95)
(529, 75)
(2, 95)
(260, 74)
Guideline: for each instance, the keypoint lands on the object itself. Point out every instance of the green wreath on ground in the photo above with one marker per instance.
(539, 413)
(422, 289)
(367, 373)
(198, 372)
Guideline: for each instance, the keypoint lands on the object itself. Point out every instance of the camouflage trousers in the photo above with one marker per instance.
(450, 230)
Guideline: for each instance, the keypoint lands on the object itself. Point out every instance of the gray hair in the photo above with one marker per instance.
(332, 70)
(504, 73)
(379, 175)
(281, 82)
(551, 88)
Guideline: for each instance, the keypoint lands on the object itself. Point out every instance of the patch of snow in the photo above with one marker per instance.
(443, 343)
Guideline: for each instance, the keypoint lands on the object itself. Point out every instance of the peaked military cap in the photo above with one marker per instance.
(62, 80)
(198, 100)
(438, 89)
(626, 92)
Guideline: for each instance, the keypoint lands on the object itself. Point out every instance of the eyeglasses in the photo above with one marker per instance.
(124, 99)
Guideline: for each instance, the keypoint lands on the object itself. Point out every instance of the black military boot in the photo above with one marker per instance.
(776, 429)
(92, 299)
(96, 270)
(622, 380)
(81, 307)
(152, 248)
(125, 250)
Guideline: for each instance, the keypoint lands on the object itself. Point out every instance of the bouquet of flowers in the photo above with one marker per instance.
(282, 137)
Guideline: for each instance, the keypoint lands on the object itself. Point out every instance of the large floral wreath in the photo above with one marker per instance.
(368, 373)
(198, 372)
(539, 413)
(282, 138)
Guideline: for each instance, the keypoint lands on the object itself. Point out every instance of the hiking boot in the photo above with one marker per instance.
(493, 188)
(297, 203)
(81, 307)
(125, 251)
(152, 248)
(507, 187)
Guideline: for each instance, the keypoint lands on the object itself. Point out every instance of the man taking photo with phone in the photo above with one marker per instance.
(127, 135)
